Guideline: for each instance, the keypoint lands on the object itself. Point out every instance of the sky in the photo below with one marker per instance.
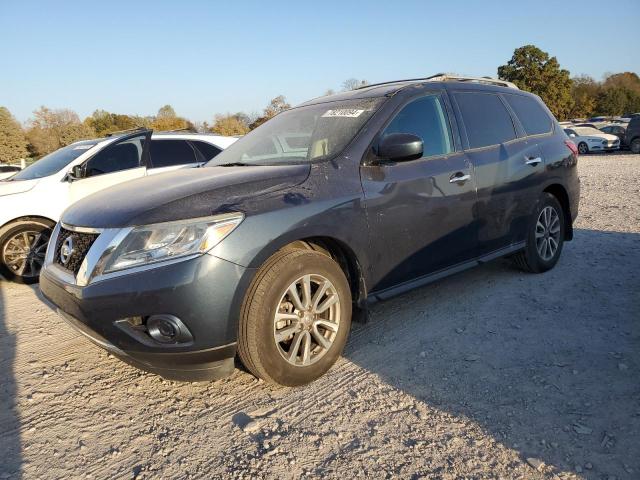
(207, 57)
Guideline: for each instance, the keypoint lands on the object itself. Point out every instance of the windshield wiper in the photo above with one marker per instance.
(235, 164)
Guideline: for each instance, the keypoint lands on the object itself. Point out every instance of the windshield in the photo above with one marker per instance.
(587, 131)
(54, 162)
(301, 135)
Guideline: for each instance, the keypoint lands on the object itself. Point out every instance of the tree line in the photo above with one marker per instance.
(530, 68)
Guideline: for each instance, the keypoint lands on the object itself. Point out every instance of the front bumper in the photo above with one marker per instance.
(205, 293)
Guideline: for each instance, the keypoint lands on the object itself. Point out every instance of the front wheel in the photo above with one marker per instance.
(583, 148)
(635, 145)
(545, 236)
(23, 246)
(295, 318)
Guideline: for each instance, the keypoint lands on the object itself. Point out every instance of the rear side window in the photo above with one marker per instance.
(485, 118)
(426, 118)
(532, 116)
(167, 153)
(207, 150)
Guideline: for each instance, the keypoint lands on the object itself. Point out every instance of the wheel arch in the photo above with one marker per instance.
(558, 191)
(27, 218)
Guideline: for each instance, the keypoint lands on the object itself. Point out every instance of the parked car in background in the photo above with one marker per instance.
(32, 200)
(590, 139)
(616, 129)
(632, 135)
(8, 170)
(345, 200)
(588, 125)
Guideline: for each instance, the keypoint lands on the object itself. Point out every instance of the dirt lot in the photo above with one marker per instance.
(492, 373)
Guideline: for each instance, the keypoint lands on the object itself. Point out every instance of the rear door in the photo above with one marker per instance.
(508, 168)
(171, 154)
(125, 159)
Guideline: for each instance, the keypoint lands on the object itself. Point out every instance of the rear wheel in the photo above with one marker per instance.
(583, 148)
(545, 236)
(23, 246)
(635, 145)
(295, 318)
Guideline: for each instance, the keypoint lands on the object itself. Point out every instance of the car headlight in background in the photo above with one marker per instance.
(148, 244)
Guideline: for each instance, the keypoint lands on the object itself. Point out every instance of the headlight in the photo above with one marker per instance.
(164, 241)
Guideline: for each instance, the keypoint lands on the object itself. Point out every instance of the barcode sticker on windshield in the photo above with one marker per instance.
(83, 147)
(343, 112)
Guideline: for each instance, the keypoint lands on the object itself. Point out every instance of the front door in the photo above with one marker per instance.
(421, 212)
(126, 159)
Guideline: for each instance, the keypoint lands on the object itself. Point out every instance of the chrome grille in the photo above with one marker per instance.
(81, 244)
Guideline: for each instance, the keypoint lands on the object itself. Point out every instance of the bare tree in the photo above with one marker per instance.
(353, 84)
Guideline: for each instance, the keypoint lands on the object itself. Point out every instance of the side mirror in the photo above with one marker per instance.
(399, 147)
(76, 173)
(572, 135)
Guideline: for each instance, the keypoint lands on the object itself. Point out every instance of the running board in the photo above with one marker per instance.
(390, 292)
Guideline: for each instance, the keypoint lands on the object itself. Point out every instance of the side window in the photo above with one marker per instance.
(207, 150)
(167, 153)
(426, 118)
(485, 118)
(530, 113)
(606, 129)
(117, 157)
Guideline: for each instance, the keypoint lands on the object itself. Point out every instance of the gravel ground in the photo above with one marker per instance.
(492, 373)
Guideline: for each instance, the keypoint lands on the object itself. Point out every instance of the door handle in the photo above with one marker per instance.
(459, 178)
(533, 161)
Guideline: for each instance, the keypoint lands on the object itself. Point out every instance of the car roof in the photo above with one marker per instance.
(440, 81)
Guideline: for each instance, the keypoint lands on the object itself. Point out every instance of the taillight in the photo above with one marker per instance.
(572, 147)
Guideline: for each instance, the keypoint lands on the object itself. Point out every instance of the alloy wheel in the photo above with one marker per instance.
(307, 320)
(548, 233)
(23, 254)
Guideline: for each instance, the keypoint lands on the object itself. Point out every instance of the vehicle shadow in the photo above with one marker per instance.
(545, 364)
(11, 453)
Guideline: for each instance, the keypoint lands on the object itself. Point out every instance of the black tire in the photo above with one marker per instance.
(530, 259)
(583, 148)
(31, 228)
(635, 145)
(257, 346)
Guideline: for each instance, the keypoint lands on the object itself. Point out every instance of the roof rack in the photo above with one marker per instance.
(177, 130)
(443, 77)
(128, 130)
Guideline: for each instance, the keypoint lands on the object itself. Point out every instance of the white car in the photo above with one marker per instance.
(7, 170)
(590, 139)
(32, 200)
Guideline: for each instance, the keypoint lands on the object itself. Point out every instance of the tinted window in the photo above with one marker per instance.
(426, 118)
(532, 116)
(166, 153)
(486, 119)
(207, 150)
(54, 162)
(117, 157)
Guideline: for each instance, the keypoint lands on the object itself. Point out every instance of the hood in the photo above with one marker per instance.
(602, 136)
(16, 186)
(182, 194)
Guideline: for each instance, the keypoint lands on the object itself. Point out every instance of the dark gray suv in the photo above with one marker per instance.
(273, 247)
